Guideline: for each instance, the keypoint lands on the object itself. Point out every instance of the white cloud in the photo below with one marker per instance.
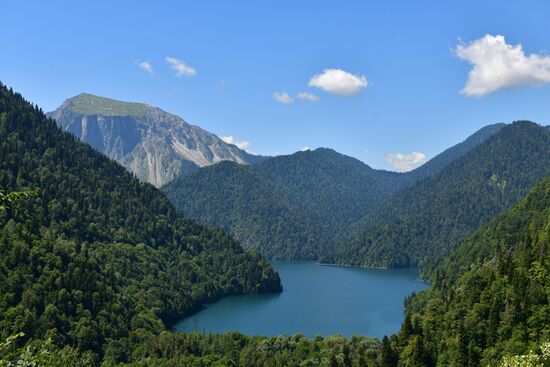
(180, 67)
(405, 162)
(305, 149)
(340, 82)
(498, 65)
(366, 151)
(283, 97)
(308, 96)
(147, 67)
(240, 144)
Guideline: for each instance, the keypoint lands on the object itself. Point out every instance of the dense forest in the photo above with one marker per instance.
(437, 163)
(423, 223)
(289, 207)
(252, 208)
(96, 266)
(92, 258)
(298, 206)
(489, 298)
(489, 306)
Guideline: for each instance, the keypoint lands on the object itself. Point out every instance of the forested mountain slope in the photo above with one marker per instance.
(298, 206)
(489, 298)
(155, 145)
(437, 163)
(239, 199)
(334, 189)
(97, 259)
(290, 207)
(427, 220)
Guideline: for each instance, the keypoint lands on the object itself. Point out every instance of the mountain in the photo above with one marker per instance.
(298, 206)
(98, 260)
(239, 199)
(289, 207)
(423, 222)
(441, 160)
(334, 189)
(155, 145)
(489, 298)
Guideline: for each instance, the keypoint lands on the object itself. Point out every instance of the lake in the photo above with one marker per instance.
(316, 299)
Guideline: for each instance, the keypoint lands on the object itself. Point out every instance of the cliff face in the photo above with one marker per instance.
(153, 144)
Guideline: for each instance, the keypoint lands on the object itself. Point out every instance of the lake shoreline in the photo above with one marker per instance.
(319, 299)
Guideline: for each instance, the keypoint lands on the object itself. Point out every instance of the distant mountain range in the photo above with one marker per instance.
(441, 160)
(290, 207)
(299, 206)
(422, 223)
(317, 204)
(153, 144)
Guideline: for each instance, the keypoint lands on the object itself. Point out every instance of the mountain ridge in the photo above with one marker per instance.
(325, 191)
(424, 221)
(286, 206)
(153, 144)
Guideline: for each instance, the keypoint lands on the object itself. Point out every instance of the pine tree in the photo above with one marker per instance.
(346, 355)
(333, 361)
(387, 355)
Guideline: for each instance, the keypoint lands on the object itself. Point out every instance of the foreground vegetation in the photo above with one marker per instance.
(489, 306)
(97, 260)
(491, 297)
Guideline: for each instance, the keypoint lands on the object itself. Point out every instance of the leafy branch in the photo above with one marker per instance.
(14, 197)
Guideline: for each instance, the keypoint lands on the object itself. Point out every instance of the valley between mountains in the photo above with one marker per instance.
(117, 219)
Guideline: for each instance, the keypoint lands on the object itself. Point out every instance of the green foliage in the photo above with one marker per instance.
(289, 207)
(528, 360)
(99, 261)
(238, 199)
(422, 224)
(298, 206)
(88, 104)
(41, 354)
(234, 349)
(440, 161)
(13, 197)
(490, 298)
(95, 267)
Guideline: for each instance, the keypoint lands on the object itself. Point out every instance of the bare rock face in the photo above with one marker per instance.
(153, 144)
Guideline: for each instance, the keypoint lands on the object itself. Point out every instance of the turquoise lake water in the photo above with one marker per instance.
(317, 299)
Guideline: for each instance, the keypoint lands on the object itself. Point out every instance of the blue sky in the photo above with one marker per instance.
(388, 75)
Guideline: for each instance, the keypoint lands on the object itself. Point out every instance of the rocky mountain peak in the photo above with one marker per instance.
(153, 144)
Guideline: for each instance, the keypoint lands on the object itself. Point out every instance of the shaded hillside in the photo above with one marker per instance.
(437, 163)
(99, 260)
(298, 206)
(334, 189)
(427, 220)
(289, 207)
(239, 199)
